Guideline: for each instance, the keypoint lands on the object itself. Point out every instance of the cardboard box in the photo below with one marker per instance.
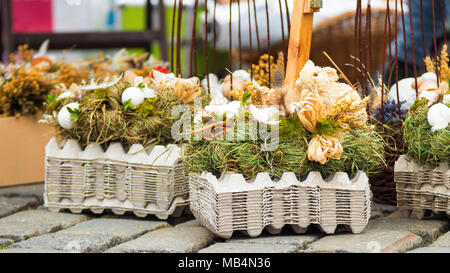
(22, 150)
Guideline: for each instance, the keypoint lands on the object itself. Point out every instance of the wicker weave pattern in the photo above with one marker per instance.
(233, 204)
(139, 181)
(422, 187)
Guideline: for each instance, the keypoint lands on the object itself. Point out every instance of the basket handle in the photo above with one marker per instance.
(300, 39)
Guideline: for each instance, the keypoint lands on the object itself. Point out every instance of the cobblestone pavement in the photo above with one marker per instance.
(25, 226)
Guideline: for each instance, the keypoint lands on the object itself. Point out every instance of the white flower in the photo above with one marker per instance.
(215, 90)
(64, 116)
(231, 109)
(266, 115)
(149, 93)
(160, 77)
(47, 118)
(439, 117)
(66, 94)
(138, 81)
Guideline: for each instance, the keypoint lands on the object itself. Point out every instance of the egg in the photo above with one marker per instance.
(405, 91)
(447, 99)
(431, 96)
(438, 117)
(134, 94)
(429, 77)
(64, 118)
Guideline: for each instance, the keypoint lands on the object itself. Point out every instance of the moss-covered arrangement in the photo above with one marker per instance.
(363, 150)
(102, 116)
(424, 145)
(324, 128)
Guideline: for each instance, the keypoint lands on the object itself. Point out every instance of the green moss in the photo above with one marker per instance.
(147, 108)
(424, 145)
(327, 127)
(290, 128)
(363, 150)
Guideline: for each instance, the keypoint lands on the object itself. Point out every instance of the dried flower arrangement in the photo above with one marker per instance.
(119, 133)
(24, 83)
(426, 128)
(31, 76)
(325, 129)
(129, 110)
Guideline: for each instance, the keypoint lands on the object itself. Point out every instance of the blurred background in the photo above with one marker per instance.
(88, 26)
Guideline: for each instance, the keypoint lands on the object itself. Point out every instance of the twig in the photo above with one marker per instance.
(338, 69)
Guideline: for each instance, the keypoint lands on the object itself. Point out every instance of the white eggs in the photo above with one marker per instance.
(431, 96)
(447, 99)
(429, 77)
(405, 91)
(134, 94)
(242, 74)
(438, 117)
(64, 118)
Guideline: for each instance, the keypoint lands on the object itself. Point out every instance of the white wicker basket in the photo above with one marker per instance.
(233, 204)
(422, 187)
(140, 181)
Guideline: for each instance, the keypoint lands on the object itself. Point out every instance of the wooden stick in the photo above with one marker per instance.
(300, 40)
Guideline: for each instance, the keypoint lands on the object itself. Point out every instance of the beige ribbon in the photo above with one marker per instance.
(323, 148)
(310, 109)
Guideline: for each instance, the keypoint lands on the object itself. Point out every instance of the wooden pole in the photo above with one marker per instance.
(300, 39)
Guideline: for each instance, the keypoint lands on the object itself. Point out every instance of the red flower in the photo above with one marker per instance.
(160, 69)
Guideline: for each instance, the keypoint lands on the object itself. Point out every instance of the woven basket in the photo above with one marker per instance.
(231, 203)
(140, 181)
(336, 37)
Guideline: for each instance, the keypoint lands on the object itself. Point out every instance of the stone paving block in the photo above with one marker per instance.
(31, 190)
(26, 224)
(193, 223)
(124, 229)
(431, 250)
(10, 205)
(443, 241)
(30, 251)
(78, 243)
(300, 241)
(250, 248)
(93, 236)
(375, 241)
(427, 229)
(5, 242)
(381, 210)
(168, 240)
